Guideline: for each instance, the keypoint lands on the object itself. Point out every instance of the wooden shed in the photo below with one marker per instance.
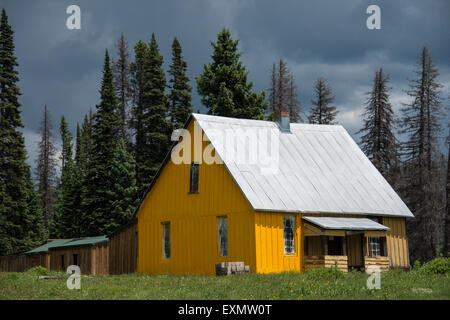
(90, 254)
(316, 201)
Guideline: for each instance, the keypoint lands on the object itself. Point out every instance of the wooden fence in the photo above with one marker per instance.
(23, 262)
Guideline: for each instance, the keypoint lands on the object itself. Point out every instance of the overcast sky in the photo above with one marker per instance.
(62, 68)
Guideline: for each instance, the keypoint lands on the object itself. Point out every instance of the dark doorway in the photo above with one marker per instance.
(75, 259)
(62, 262)
(335, 246)
(354, 251)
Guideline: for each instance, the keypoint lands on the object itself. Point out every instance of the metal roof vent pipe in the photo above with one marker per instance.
(282, 118)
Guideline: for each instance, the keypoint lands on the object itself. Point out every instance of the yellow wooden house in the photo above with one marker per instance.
(277, 196)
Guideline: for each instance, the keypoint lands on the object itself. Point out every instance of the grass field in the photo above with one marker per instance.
(314, 285)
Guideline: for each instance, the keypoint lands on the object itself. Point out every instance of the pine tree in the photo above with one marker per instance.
(66, 222)
(378, 140)
(105, 134)
(152, 127)
(180, 95)
(36, 231)
(283, 92)
(122, 194)
(121, 69)
(46, 167)
(228, 69)
(66, 140)
(78, 145)
(322, 113)
(85, 144)
(16, 194)
(420, 122)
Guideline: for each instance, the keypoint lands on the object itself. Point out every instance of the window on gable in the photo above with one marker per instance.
(193, 183)
(222, 233)
(166, 239)
(289, 229)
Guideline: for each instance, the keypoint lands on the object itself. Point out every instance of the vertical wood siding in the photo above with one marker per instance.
(397, 243)
(315, 246)
(91, 259)
(123, 250)
(23, 262)
(193, 220)
(270, 256)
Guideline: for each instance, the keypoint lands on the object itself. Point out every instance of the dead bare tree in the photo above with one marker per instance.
(46, 167)
(283, 92)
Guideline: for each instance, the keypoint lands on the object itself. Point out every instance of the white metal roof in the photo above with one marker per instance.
(345, 223)
(321, 170)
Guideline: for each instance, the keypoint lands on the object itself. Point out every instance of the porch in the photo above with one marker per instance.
(345, 243)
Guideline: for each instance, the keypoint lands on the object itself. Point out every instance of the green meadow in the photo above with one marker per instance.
(316, 284)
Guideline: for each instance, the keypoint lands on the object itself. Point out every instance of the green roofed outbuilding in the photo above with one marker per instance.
(50, 244)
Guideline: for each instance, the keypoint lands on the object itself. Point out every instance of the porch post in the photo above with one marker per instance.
(384, 243)
(344, 246)
(364, 245)
(325, 245)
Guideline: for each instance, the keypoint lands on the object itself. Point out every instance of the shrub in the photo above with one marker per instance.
(38, 270)
(440, 265)
(324, 273)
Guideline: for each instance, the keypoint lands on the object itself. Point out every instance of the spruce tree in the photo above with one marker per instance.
(136, 85)
(66, 141)
(121, 70)
(105, 134)
(36, 230)
(227, 68)
(322, 113)
(180, 94)
(378, 140)
(17, 216)
(152, 127)
(420, 123)
(65, 223)
(85, 144)
(46, 167)
(122, 194)
(78, 146)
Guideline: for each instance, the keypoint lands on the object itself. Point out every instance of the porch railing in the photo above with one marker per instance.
(326, 261)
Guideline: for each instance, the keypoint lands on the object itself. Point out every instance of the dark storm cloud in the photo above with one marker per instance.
(62, 67)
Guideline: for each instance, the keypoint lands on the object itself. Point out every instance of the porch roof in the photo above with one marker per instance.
(359, 224)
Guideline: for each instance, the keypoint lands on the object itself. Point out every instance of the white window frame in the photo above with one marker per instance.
(166, 233)
(374, 246)
(222, 235)
(289, 244)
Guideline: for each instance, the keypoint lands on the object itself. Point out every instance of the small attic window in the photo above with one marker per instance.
(193, 183)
